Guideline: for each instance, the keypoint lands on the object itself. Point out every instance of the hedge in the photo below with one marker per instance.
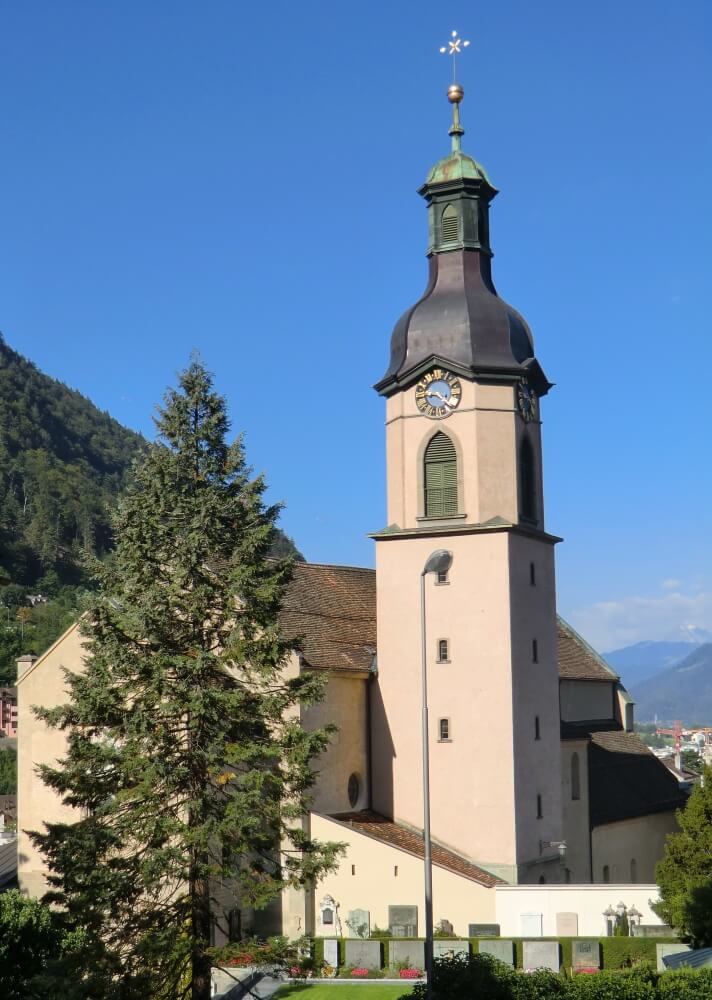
(616, 952)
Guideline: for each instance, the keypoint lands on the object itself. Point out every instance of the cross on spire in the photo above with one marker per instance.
(454, 47)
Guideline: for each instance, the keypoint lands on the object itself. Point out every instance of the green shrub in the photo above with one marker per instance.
(539, 985)
(468, 977)
(624, 952)
(635, 984)
(685, 984)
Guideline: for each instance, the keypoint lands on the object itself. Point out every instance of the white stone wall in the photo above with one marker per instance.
(513, 904)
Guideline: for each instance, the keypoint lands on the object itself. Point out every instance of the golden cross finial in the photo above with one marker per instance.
(454, 47)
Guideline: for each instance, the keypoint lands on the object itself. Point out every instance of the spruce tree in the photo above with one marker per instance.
(186, 761)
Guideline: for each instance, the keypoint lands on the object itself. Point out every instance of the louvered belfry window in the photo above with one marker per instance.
(440, 477)
(449, 224)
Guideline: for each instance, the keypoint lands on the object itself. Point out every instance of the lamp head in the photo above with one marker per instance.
(439, 561)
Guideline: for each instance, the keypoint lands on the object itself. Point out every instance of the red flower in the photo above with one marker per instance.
(359, 972)
(409, 973)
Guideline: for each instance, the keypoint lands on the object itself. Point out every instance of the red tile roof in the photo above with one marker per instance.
(577, 660)
(372, 824)
(331, 612)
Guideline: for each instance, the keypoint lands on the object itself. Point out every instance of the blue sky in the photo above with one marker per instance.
(242, 180)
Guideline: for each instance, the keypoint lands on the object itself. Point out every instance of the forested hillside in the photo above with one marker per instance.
(63, 463)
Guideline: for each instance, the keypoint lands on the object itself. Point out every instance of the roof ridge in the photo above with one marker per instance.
(580, 639)
(359, 569)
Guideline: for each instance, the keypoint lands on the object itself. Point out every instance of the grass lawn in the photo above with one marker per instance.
(324, 991)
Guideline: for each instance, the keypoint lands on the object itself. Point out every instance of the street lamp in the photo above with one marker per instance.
(439, 561)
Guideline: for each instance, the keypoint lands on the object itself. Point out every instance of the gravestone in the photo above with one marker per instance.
(663, 950)
(586, 954)
(450, 947)
(531, 924)
(403, 921)
(653, 930)
(359, 923)
(503, 950)
(331, 953)
(363, 954)
(566, 924)
(327, 915)
(541, 955)
(410, 952)
(483, 930)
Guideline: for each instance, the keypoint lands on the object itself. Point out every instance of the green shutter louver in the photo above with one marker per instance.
(449, 226)
(440, 477)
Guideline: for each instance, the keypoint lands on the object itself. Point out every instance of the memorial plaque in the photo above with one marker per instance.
(483, 930)
(503, 950)
(403, 921)
(663, 950)
(331, 953)
(359, 923)
(531, 924)
(586, 954)
(410, 952)
(363, 954)
(450, 947)
(566, 924)
(541, 955)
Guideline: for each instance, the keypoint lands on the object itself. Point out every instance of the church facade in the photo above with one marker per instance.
(536, 775)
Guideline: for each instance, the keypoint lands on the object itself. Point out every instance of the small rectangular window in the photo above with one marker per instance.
(539, 812)
(442, 576)
(443, 651)
(537, 731)
(444, 730)
(353, 869)
(532, 574)
(535, 651)
(395, 870)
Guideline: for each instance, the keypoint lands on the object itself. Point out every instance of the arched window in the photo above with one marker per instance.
(575, 777)
(440, 473)
(606, 874)
(633, 870)
(448, 225)
(527, 481)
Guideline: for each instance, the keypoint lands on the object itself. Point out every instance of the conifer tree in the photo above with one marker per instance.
(186, 762)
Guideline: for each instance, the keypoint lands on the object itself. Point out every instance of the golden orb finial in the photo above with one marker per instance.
(455, 93)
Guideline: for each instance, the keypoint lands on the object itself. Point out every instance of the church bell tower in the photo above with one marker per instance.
(464, 473)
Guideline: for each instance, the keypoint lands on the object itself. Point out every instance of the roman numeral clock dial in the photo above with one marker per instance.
(438, 393)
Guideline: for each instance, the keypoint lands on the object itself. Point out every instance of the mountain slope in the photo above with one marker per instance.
(682, 692)
(63, 463)
(642, 660)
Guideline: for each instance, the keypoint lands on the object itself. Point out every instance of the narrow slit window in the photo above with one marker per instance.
(440, 475)
(606, 874)
(395, 871)
(535, 651)
(539, 813)
(575, 777)
(537, 729)
(444, 730)
(443, 651)
(532, 574)
(353, 869)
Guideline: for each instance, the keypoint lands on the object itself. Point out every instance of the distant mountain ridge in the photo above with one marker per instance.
(683, 691)
(643, 660)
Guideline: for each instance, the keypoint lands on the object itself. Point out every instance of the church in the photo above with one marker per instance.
(536, 775)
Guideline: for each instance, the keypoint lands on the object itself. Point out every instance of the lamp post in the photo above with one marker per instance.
(439, 561)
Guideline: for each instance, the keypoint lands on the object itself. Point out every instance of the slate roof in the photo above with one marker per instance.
(577, 660)
(372, 824)
(331, 612)
(627, 780)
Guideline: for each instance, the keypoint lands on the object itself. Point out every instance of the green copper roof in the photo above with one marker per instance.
(457, 166)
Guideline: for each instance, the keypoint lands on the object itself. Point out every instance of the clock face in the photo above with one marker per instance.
(438, 393)
(526, 398)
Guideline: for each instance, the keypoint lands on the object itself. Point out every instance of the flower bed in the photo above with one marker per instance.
(410, 973)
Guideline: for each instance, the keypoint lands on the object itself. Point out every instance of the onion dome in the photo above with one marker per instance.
(460, 321)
